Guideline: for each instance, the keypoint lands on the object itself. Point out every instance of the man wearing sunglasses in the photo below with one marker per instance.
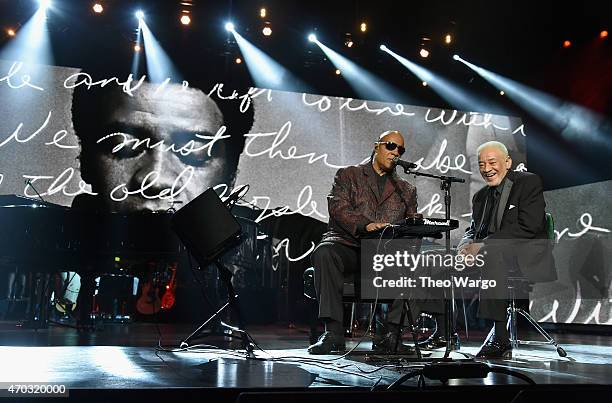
(364, 198)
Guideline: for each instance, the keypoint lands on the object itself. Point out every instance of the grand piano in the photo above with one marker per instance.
(40, 238)
(43, 236)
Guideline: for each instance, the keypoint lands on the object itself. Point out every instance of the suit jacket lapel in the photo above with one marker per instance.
(479, 212)
(368, 171)
(503, 200)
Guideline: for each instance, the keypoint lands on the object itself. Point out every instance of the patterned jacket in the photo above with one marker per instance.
(353, 203)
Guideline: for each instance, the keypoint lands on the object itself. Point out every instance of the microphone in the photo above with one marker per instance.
(404, 164)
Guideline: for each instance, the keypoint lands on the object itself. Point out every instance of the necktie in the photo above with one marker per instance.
(487, 214)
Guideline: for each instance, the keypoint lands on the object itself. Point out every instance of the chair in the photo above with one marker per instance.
(350, 295)
(520, 285)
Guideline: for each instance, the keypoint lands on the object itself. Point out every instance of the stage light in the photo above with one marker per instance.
(32, 45)
(265, 71)
(502, 93)
(185, 19)
(137, 48)
(567, 44)
(383, 47)
(263, 12)
(267, 29)
(238, 60)
(603, 34)
(338, 72)
(366, 84)
(139, 14)
(456, 95)
(348, 40)
(44, 4)
(456, 57)
(569, 120)
(229, 27)
(363, 27)
(159, 65)
(424, 53)
(448, 39)
(98, 8)
(312, 38)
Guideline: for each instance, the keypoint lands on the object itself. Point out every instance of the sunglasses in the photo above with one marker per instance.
(389, 145)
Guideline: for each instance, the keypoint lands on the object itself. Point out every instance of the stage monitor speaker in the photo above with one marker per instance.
(206, 227)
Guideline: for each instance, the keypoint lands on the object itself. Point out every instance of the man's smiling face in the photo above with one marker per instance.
(493, 165)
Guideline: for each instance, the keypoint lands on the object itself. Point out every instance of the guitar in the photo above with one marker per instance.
(70, 284)
(149, 302)
(169, 298)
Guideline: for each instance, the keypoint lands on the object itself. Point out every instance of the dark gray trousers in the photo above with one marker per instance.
(332, 263)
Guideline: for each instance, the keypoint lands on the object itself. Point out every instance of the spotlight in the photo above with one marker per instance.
(603, 34)
(229, 26)
(567, 44)
(456, 57)
(44, 4)
(10, 32)
(448, 39)
(363, 27)
(267, 29)
(263, 12)
(185, 19)
(139, 14)
(312, 38)
(502, 93)
(424, 83)
(238, 60)
(338, 72)
(383, 48)
(348, 40)
(424, 53)
(98, 8)
(137, 48)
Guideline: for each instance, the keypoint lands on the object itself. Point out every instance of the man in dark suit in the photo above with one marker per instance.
(509, 228)
(364, 198)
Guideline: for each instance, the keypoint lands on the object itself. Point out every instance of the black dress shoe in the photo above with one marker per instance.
(495, 348)
(328, 343)
(385, 344)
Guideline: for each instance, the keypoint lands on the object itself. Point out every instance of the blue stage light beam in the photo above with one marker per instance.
(31, 45)
(159, 65)
(365, 84)
(265, 71)
(571, 121)
(456, 96)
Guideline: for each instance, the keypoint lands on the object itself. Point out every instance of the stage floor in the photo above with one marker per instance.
(127, 356)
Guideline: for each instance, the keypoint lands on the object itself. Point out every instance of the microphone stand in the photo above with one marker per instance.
(30, 184)
(445, 185)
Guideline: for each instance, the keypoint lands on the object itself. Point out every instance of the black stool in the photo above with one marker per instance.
(519, 285)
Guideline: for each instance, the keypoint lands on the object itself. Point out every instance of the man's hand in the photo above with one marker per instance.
(374, 226)
(471, 249)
